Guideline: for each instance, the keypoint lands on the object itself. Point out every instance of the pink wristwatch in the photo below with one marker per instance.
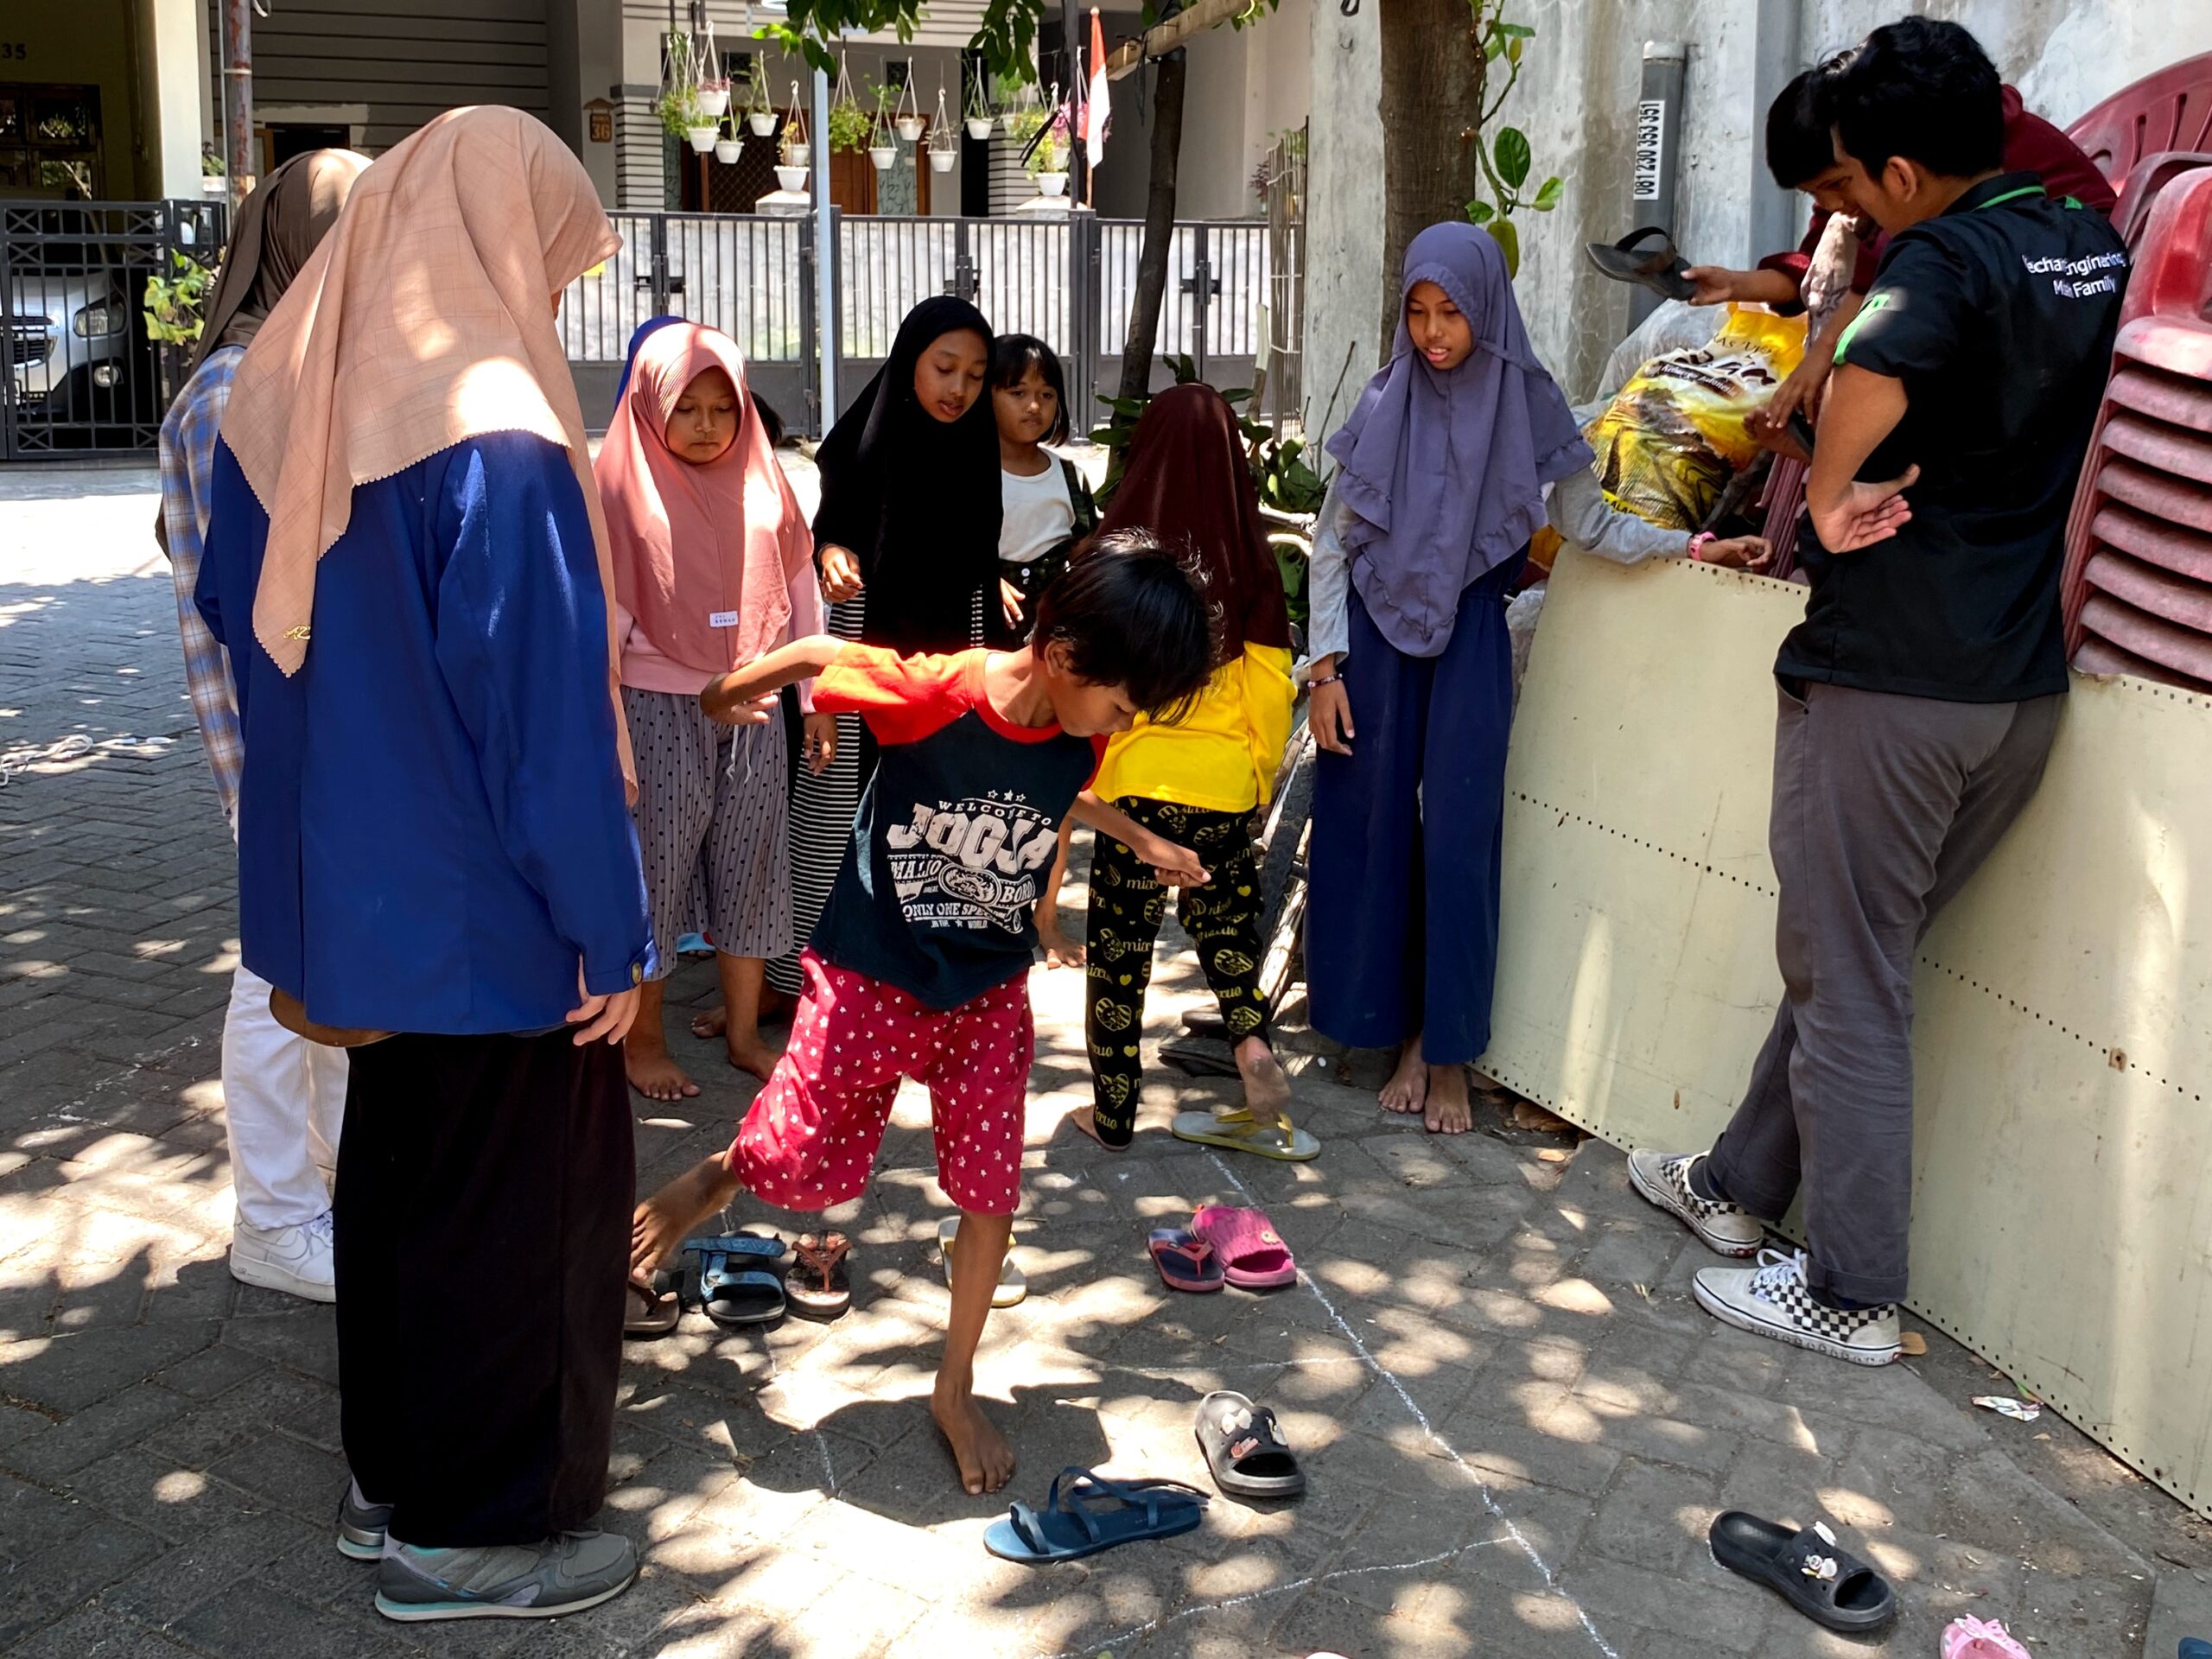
(1698, 541)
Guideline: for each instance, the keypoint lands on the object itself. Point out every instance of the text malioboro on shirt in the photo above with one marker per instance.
(957, 829)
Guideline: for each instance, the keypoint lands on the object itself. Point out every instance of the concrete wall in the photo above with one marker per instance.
(1576, 100)
(1246, 85)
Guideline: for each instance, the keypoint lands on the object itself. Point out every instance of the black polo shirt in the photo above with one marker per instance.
(1999, 316)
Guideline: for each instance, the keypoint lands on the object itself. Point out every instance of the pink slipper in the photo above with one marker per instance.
(1967, 1637)
(1253, 1254)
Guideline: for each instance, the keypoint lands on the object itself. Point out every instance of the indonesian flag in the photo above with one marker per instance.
(1099, 106)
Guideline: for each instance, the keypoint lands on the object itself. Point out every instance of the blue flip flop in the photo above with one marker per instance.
(1076, 1523)
(734, 1295)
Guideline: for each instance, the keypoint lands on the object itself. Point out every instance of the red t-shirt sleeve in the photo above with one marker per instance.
(903, 699)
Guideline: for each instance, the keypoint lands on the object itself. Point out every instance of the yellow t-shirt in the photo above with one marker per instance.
(1221, 756)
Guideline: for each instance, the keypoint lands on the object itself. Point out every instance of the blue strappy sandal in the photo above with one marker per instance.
(1076, 1523)
(727, 1291)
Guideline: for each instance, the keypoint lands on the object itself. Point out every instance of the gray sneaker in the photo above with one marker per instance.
(565, 1574)
(361, 1525)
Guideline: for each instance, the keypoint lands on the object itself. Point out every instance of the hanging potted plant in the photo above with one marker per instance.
(1047, 162)
(944, 149)
(712, 84)
(851, 127)
(908, 120)
(796, 152)
(727, 145)
(979, 117)
(882, 147)
(760, 114)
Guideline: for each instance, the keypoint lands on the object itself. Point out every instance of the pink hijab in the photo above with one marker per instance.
(704, 555)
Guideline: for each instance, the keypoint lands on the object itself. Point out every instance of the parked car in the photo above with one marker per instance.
(73, 354)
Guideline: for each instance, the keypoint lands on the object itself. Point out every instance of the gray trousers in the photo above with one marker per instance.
(1883, 807)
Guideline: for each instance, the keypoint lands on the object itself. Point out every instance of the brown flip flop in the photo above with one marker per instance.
(652, 1310)
(819, 1286)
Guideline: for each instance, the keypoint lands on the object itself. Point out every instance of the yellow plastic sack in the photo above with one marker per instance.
(1667, 444)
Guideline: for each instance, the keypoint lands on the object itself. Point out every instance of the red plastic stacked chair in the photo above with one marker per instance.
(2138, 560)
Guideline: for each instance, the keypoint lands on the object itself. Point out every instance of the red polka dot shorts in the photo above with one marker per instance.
(811, 1138)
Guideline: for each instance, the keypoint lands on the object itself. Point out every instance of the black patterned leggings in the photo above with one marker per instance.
(1127, 905)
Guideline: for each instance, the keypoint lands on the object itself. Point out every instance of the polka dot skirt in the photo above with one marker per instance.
(811, 1138)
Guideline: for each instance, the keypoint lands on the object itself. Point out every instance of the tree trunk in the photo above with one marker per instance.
(1432, 99)
(1159, 228)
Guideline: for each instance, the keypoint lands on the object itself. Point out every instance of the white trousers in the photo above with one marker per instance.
(283, 1099)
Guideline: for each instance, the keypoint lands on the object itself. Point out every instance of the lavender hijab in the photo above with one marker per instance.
(1444, 473)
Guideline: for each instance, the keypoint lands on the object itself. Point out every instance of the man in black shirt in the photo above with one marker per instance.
(1920, 694)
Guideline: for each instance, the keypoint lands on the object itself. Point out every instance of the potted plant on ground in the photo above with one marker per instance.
(1047, 162)
(759, 113)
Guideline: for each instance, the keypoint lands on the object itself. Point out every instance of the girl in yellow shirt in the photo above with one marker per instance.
(1199, 779)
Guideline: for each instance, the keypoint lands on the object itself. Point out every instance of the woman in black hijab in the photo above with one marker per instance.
(908, 542)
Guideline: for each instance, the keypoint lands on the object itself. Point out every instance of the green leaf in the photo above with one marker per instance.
(1511, 153)
(1515, 31)
(1480, 213)
(1549, 193)
(1235, 395)
(1493, 47)
(1508, 239)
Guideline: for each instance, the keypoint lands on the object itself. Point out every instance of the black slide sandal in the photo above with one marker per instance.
(1657, 266)
(1245, 1449)
(1829, 1585)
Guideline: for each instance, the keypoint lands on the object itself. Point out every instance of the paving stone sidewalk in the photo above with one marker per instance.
(1517, 1423)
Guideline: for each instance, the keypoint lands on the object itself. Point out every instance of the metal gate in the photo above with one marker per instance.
(82, 375)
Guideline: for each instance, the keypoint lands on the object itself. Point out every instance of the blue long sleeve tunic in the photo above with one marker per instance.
(432, 832)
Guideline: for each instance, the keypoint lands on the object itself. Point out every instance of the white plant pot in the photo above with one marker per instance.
(792, 179)
(763, 122)
(883, 155)
(214, 185)
(713, 103)
(941, 161)
(910, 127)
(702, 138)
(978, 127)
(798, 155)
(727, 150)
(1052, 184)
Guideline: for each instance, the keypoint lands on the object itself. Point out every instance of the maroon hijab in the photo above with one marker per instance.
(1188, 483)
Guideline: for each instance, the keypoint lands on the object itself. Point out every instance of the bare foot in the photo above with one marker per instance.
(1409, 1084)
(757, 1056)
(652, 1072)
(1060, 952)
(1086, 1119)
(665, 1220)
(986, 1460)
(712, 1023)
(1448, 1111)
(1266, 1088)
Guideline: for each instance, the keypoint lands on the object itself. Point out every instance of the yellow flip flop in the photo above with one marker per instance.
(1237, 1130)
(1013, 1284)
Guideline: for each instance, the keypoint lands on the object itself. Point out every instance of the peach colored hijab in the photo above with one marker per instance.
(424, 318)
(692, 544)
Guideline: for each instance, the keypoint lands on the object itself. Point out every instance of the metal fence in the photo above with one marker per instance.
(1070, 281)
(82, 377)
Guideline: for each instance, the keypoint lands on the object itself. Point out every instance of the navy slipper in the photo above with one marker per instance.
(1092, 1515)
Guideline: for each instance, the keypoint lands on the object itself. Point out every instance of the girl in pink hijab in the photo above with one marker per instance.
(714, 564)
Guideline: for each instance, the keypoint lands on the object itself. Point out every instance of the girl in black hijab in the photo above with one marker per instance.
(908, 542)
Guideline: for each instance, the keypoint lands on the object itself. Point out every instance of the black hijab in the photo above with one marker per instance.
(915, 498)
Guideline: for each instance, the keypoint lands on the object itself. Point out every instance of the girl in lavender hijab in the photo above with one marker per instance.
(1441, 472)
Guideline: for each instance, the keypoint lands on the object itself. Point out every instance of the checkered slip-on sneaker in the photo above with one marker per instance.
(1663, 1179)
(1772, 1300)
